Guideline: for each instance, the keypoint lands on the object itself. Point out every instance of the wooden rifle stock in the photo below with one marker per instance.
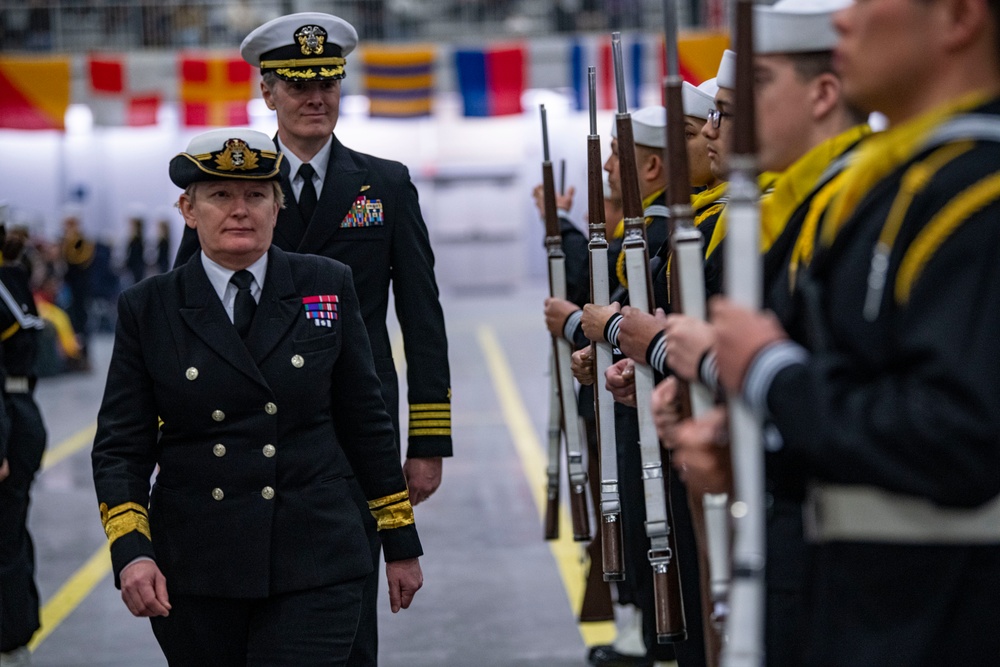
(553, 467)
(611, 526)
(687, 295)
(670, 623)
(743, 285)
(562, 352)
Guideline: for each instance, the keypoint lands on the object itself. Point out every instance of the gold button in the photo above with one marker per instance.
(191, 373)
(267, 492)
(218, 415)
(218, 494)
(269, 450)
(298, 361)
(219, 450)
(270, 408)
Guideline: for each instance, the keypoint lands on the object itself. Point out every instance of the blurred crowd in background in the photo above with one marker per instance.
(76, 280)
(59, 25)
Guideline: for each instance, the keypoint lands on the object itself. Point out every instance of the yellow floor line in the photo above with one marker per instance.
(529, 449)
(72, 593)
(91, 573)
(71, 445)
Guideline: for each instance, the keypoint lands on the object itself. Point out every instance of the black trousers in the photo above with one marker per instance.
(364, 652)
(311, 628)
(19, 597)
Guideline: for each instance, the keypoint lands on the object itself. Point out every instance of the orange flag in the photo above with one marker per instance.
(215, 89)
(34, 92)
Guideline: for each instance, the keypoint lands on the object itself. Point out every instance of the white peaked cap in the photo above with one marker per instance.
(699, 100)
(649, 127)
(726, 78)
(796, 26)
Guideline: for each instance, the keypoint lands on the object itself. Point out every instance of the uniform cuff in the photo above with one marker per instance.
(656, 353)
(401, 543)
(764, 368)
(611, 329)
(571, 325)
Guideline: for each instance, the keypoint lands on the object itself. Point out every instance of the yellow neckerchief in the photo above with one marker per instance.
(765, 182)
(620, 232)
(646, 203)
(884, 153)
(706, 198)
(799, 180)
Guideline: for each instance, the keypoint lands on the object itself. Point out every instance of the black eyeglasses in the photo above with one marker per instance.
(715, 117)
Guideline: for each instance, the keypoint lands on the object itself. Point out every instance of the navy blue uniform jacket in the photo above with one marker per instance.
(309, 392)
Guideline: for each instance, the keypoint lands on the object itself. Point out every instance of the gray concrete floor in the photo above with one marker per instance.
(492, 595)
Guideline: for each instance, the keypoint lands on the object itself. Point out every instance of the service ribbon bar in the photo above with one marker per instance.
(321, 308)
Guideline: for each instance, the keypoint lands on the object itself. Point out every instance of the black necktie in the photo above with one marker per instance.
(244, 305)
(307, 198)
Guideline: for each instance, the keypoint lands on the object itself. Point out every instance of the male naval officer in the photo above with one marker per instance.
(363, 211)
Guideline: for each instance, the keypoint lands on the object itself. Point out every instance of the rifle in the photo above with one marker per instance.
(687, 289)
(553, 467)
(611, 526)
(562, 352)
(743, 284)
(670, 625)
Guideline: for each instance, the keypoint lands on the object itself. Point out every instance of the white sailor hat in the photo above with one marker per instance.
(233, 153)
(308, 46)
(649, 127)
(726, 78)
(699, 100)
(796, 26)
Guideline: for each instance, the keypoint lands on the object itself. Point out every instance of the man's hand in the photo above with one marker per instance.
(423, 477)
(144, 589)
(688, 339)
(582, 365)
(637, 331)
(556, 312)
(564, 202)
(666, 413)
(620, 381)
(405, 579)
(700, 455)
(4, 470)
(595, 318)
(741, 334)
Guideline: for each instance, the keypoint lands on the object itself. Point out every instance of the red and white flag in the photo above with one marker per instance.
(128, 90)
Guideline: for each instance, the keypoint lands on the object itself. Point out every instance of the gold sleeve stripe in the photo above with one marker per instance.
(394, 516)
(388, 500)
(108, 514)
(941, 226)
(124, 524)
(429, 431)
(425, 407)
(124, 519)
(431, 415)
(429, 423)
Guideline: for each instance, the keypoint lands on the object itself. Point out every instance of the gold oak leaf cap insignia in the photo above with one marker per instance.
(307, 46)
(235, 153)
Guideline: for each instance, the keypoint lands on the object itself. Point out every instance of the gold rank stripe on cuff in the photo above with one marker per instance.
(123, 519)
(430, 419)
(393, 511)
